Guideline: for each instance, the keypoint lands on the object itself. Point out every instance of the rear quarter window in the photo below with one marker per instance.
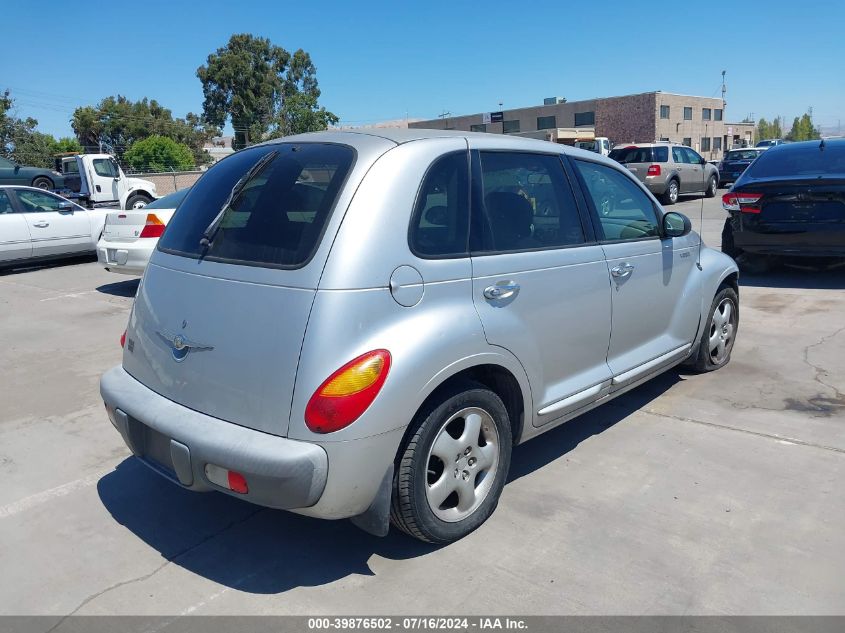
(277, 218)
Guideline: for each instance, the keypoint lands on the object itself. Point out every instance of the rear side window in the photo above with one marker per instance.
(528, 203)
(440, 224)
(273, 217)
(805, 160)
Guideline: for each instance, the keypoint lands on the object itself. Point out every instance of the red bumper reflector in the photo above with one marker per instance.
(237, 483)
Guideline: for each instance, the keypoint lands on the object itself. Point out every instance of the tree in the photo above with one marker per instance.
(766, 130)
(263, 89)
(158, 153)
(803, 129)
(19, 139)
(67, 144)
(118, 122)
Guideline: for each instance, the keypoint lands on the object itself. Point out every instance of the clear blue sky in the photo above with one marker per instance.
(385, 60)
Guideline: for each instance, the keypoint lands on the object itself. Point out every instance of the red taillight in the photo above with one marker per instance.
(123, 339)
(653, 170)
(742, 201)
(237, 482)
(347, 393)
(153, 227)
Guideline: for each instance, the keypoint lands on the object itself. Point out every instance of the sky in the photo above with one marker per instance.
(380, 61)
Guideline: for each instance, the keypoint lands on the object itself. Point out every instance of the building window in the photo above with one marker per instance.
(585, 118)
(664, 112)
(687, 114)
(546, 122)
(717, 114)
(717, 143)
(479, 127)
(705, 114)
(508, 127)
(705, 143)
(687, 141)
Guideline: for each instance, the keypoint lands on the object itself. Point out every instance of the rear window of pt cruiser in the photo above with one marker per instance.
(263, 206)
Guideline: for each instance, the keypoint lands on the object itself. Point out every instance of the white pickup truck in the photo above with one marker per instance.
(599, 145)
(97, 180)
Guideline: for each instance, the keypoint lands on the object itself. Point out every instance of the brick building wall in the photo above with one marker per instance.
(628, 119)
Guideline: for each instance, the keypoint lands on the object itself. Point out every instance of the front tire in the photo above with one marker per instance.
(712, 186)
(670, 196)
(718, 338)
(137, 201)
(42, 182)
(453, 466)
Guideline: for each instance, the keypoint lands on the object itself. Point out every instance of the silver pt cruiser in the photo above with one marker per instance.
(364, 325)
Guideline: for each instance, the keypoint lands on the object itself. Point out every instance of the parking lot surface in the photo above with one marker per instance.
(694, 494)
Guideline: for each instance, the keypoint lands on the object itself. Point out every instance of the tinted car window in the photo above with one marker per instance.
(37, 201)
(6, 163)
(623, 210)
(802, 160)
(640, 154)
(276, 219)
(692, 157)
(5, 203)
(742, 155)
(678, 156)
(439, 226)
(528, 202)
(170, 201)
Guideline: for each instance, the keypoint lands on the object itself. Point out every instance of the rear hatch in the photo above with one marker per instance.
(221, 313)
(736, 162)
(638, 160)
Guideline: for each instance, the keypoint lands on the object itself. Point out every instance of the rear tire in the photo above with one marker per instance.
(670, 196)
(453, 466)
(137, 201)
(712, 186)
(718, 337)
(42, 182)
(728, 246)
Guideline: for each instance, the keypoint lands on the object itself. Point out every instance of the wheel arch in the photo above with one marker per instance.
(125, 197)
(38, 177)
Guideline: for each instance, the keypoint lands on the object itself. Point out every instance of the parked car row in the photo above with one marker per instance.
(350, 325)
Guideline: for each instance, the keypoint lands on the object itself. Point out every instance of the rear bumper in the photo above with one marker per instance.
(129, 258)
(803, 240)
(178, 443)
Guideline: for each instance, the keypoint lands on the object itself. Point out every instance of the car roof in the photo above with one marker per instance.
(399, 136)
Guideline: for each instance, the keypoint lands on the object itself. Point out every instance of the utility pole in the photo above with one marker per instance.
(443, 116)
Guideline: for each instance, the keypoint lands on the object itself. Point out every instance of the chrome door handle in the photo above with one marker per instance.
(622, 270)
(41, 224)
(501, 290)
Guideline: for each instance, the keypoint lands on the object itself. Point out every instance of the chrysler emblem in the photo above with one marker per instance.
(180, 345)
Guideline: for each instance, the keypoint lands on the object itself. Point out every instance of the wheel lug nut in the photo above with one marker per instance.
(468, 450)
(456, 473)
(471, 461)
(465, 475)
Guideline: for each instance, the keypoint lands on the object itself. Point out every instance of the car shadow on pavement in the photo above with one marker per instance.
(792, 277)
(536, 454)
(240, 545)
(263, 551)
(126, 288)
(28, 267)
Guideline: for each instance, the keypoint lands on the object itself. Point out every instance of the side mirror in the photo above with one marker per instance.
(17, 168)
(676, 224)
(703, 161)
(66, 206)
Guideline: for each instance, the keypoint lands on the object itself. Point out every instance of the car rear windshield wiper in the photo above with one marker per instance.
(211, 230)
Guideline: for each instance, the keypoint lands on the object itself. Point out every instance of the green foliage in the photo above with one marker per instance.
(67, 144)
(766, 130)
(159, 153)
(803, 129)
(119, 122)
(263, 89)
(20, 141)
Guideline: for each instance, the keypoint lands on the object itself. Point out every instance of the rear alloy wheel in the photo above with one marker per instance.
(671, 194)
(42, 182)
(712, 186)
(453, 468)
(717, 340)
(137, 201)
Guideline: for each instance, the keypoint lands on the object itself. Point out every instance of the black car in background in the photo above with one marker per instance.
(735, 162)
(789, 203)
